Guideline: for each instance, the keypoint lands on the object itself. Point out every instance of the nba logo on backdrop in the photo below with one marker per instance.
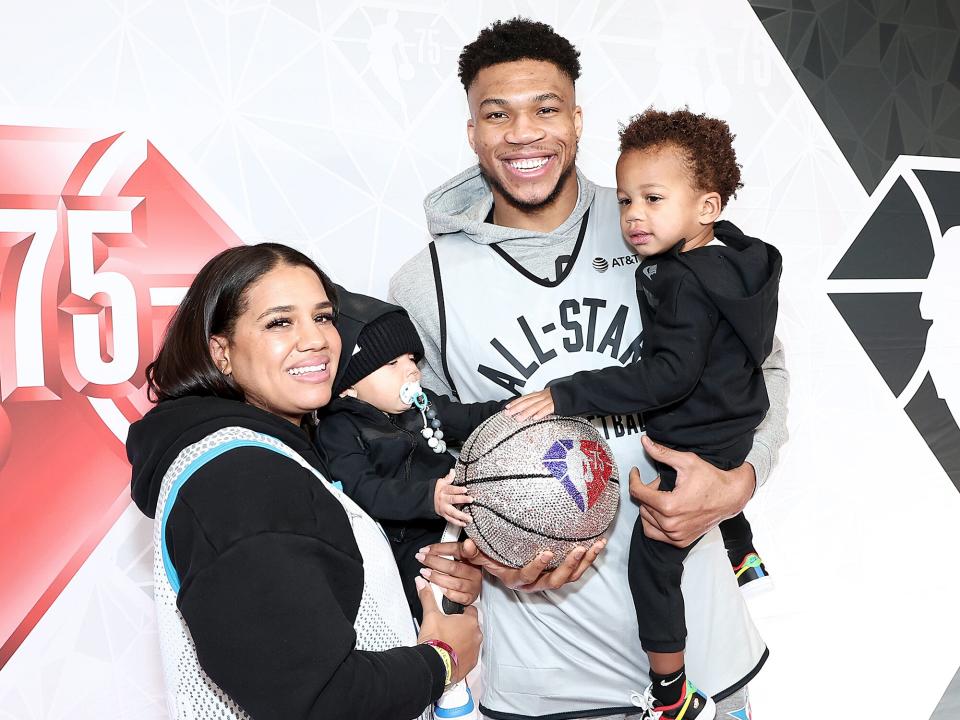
(896, 288)
(99, 238)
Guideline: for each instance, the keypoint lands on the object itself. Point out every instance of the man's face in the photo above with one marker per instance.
(524, 128)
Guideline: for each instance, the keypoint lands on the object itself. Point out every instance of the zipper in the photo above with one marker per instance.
(409, 461)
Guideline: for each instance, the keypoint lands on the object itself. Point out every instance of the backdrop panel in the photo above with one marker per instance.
(140, 137)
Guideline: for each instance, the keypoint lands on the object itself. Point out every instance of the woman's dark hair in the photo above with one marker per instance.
(518, 39)
(214, 301)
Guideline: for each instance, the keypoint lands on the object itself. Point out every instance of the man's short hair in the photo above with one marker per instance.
(518, 39)
(705, 143)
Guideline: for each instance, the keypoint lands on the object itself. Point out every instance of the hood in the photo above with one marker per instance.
(747, 295)
(408, 419)
(154, 442)
(355, 407)
(354, 312)
(463, 204)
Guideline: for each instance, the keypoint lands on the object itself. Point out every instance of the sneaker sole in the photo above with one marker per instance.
(759, 586)
(709, 711)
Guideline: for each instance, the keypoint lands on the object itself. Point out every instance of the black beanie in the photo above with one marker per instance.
(387, 337)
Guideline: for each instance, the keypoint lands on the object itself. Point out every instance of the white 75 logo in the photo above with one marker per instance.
(51, 268)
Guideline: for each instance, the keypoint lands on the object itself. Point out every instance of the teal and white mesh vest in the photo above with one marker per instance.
(383, 619)
(576, 649)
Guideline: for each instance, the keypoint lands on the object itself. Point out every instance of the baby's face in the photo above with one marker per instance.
(658, 204)
(381, 388)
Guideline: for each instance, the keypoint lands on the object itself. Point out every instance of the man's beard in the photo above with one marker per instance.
(524, 205)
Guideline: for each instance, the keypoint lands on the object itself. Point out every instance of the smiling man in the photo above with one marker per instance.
(507, 300)
(526, 144)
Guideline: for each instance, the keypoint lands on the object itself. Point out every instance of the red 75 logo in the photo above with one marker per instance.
(99, 238)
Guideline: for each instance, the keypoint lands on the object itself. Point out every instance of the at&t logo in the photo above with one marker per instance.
(601, 264)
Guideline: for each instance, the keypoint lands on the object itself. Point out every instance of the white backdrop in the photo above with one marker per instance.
(324, 124)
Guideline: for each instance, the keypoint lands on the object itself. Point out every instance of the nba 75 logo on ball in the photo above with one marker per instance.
(548, 484)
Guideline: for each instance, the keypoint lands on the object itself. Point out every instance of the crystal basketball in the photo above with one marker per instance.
(548, 484)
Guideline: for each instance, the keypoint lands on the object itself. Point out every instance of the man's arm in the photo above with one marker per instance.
(772, 432)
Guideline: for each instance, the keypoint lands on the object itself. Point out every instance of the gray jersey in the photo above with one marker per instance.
(461, 205)
(575, 650)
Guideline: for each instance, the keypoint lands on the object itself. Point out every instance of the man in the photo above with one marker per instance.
(511, 296)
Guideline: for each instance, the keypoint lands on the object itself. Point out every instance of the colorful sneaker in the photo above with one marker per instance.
(750, 569)
(692, 704)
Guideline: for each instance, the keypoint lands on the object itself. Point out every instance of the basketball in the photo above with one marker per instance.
(548, 484)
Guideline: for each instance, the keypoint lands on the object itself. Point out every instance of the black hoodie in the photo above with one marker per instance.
(271, 576)
(708, 321)
(383, 462)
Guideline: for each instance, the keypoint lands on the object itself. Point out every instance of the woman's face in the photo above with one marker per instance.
(284, 349)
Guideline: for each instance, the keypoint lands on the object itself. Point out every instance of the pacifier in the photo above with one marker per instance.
(412, 394)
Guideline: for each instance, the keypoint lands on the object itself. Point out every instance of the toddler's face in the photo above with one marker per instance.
(658, 204)
(381, 388)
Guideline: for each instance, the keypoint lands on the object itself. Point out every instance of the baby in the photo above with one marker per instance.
(391, 456)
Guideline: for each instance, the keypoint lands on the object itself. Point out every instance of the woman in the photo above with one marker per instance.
(276, 595)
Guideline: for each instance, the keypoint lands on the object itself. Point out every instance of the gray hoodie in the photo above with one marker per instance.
(461, 205)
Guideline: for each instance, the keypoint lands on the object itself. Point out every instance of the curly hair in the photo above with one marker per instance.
(517, 39)
(706, 145)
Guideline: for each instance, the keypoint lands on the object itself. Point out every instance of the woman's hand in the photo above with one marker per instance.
(446, 497)
(461, 632)
(534, 576)
(458, 581)
(535, 406)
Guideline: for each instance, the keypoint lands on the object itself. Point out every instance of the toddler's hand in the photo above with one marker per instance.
(534, 406)
(446, 497)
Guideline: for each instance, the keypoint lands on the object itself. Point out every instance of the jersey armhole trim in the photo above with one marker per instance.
(442, 312)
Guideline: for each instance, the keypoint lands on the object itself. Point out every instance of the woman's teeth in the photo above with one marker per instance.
(306, 369)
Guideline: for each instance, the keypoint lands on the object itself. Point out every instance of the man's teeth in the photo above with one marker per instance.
(529, 163)
(306, 369)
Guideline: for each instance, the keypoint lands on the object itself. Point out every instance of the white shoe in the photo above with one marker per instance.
(692, 704)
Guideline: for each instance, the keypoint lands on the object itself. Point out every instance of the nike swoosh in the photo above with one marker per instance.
(665, 683)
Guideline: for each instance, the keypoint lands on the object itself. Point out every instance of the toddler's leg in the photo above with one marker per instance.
(738, 541)
(737, 535)
(655, 570)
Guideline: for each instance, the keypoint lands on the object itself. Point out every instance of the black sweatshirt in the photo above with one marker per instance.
(388, 469)
(383, 461)
(271, 575)
(708, 322)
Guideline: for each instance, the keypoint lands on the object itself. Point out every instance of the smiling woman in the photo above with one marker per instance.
(282, 355)
(277, 596)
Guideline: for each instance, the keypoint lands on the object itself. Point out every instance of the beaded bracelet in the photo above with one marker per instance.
(447, 654)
